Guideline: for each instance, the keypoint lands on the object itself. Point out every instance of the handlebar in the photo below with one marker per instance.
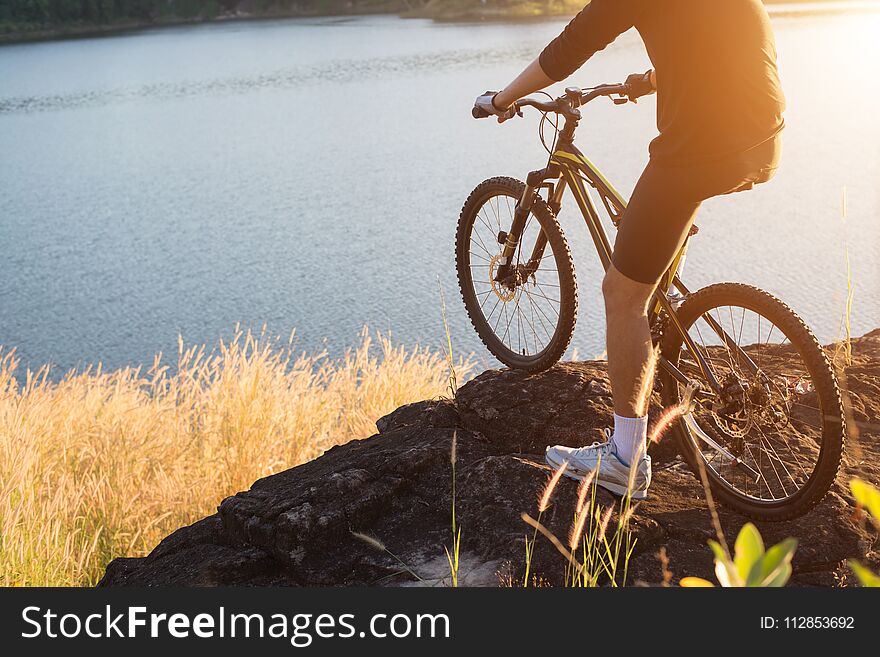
(574, 97)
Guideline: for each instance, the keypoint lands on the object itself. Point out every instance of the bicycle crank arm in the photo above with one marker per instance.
(702, 435)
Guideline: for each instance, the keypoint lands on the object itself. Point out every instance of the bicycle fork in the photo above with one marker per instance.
(511, 239)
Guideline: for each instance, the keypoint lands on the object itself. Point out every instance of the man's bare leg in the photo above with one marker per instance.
(631, 359)
(620, 465)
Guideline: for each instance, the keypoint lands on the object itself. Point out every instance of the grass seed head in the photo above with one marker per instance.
(372, 541)
(603, 523)
(583, 489)
(577, 530)
(544, 501)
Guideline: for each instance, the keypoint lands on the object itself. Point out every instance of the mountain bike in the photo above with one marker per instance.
(754, 401)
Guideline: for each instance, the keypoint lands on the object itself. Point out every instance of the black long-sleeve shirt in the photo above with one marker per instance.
(718, 85)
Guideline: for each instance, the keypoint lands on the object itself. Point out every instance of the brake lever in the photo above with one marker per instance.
(625, 97)
(516, 112)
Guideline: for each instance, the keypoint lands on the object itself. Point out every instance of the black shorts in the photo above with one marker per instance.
(666, 199)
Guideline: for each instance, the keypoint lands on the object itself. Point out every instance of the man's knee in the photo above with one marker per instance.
(623, 294)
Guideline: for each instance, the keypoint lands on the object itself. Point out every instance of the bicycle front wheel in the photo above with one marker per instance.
(770, 440)
(524, 311)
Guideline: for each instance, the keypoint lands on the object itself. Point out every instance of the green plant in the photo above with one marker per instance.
(456, 530)
(452, 388)
(751, 565)
(543, 505)
(846, 344)
(378, 545)
(868, 498)
(453, 376)
(592, 553)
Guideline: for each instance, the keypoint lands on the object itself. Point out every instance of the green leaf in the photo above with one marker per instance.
(772, 568)
(726, 574)
(748, 550)
(867, 496)
(720, 554)
(779, 577)
(725, 571)
(866, 577)
(696, 583)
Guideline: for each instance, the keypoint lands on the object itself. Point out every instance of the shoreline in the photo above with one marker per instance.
(88, 31)
(520, 13)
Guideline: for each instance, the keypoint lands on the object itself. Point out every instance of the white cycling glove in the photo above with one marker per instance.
(486, 104)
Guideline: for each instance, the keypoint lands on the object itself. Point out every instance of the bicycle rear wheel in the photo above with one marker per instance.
(778, 424)
(525, 313)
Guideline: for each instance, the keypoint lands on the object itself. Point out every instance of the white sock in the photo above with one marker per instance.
(630, 436)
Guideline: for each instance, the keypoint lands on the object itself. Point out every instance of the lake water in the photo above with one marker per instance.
(309, 174)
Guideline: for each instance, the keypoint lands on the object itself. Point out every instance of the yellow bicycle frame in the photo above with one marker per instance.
(575, 171)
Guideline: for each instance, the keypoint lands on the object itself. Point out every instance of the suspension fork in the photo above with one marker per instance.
(521, 213)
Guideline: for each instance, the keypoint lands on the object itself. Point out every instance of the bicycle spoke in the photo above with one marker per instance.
(540, 313)
(507, 323)
(483, 246)
(527, 292)
(538, 294)
(774, 432)
(486, 222)
(531, 324)
(492, 312)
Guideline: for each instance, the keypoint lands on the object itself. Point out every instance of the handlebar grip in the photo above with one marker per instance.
(479, 113)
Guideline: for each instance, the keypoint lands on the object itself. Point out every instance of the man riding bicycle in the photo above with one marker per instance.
(719, 114)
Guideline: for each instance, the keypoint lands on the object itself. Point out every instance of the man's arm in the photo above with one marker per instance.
(597, 25)
(532, 79)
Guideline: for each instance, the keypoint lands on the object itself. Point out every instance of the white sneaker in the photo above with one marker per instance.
(613, 474)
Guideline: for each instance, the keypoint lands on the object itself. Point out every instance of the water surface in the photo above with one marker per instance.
(308, 173)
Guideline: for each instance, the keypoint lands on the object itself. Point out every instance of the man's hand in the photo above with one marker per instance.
(486, 102)
(640, 84)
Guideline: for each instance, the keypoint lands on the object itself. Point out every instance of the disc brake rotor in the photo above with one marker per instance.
(738, 425)
(734, 427)
(771, 410)
(501, 291)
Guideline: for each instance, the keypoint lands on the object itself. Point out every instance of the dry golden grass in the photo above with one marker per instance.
(104, 464)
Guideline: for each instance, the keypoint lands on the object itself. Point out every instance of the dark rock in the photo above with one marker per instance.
(198, 556)
(295, 528)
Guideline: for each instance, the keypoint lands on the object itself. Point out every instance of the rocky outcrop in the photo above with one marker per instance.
(295, 528)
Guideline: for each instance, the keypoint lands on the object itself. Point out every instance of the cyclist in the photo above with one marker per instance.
(719, 115)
